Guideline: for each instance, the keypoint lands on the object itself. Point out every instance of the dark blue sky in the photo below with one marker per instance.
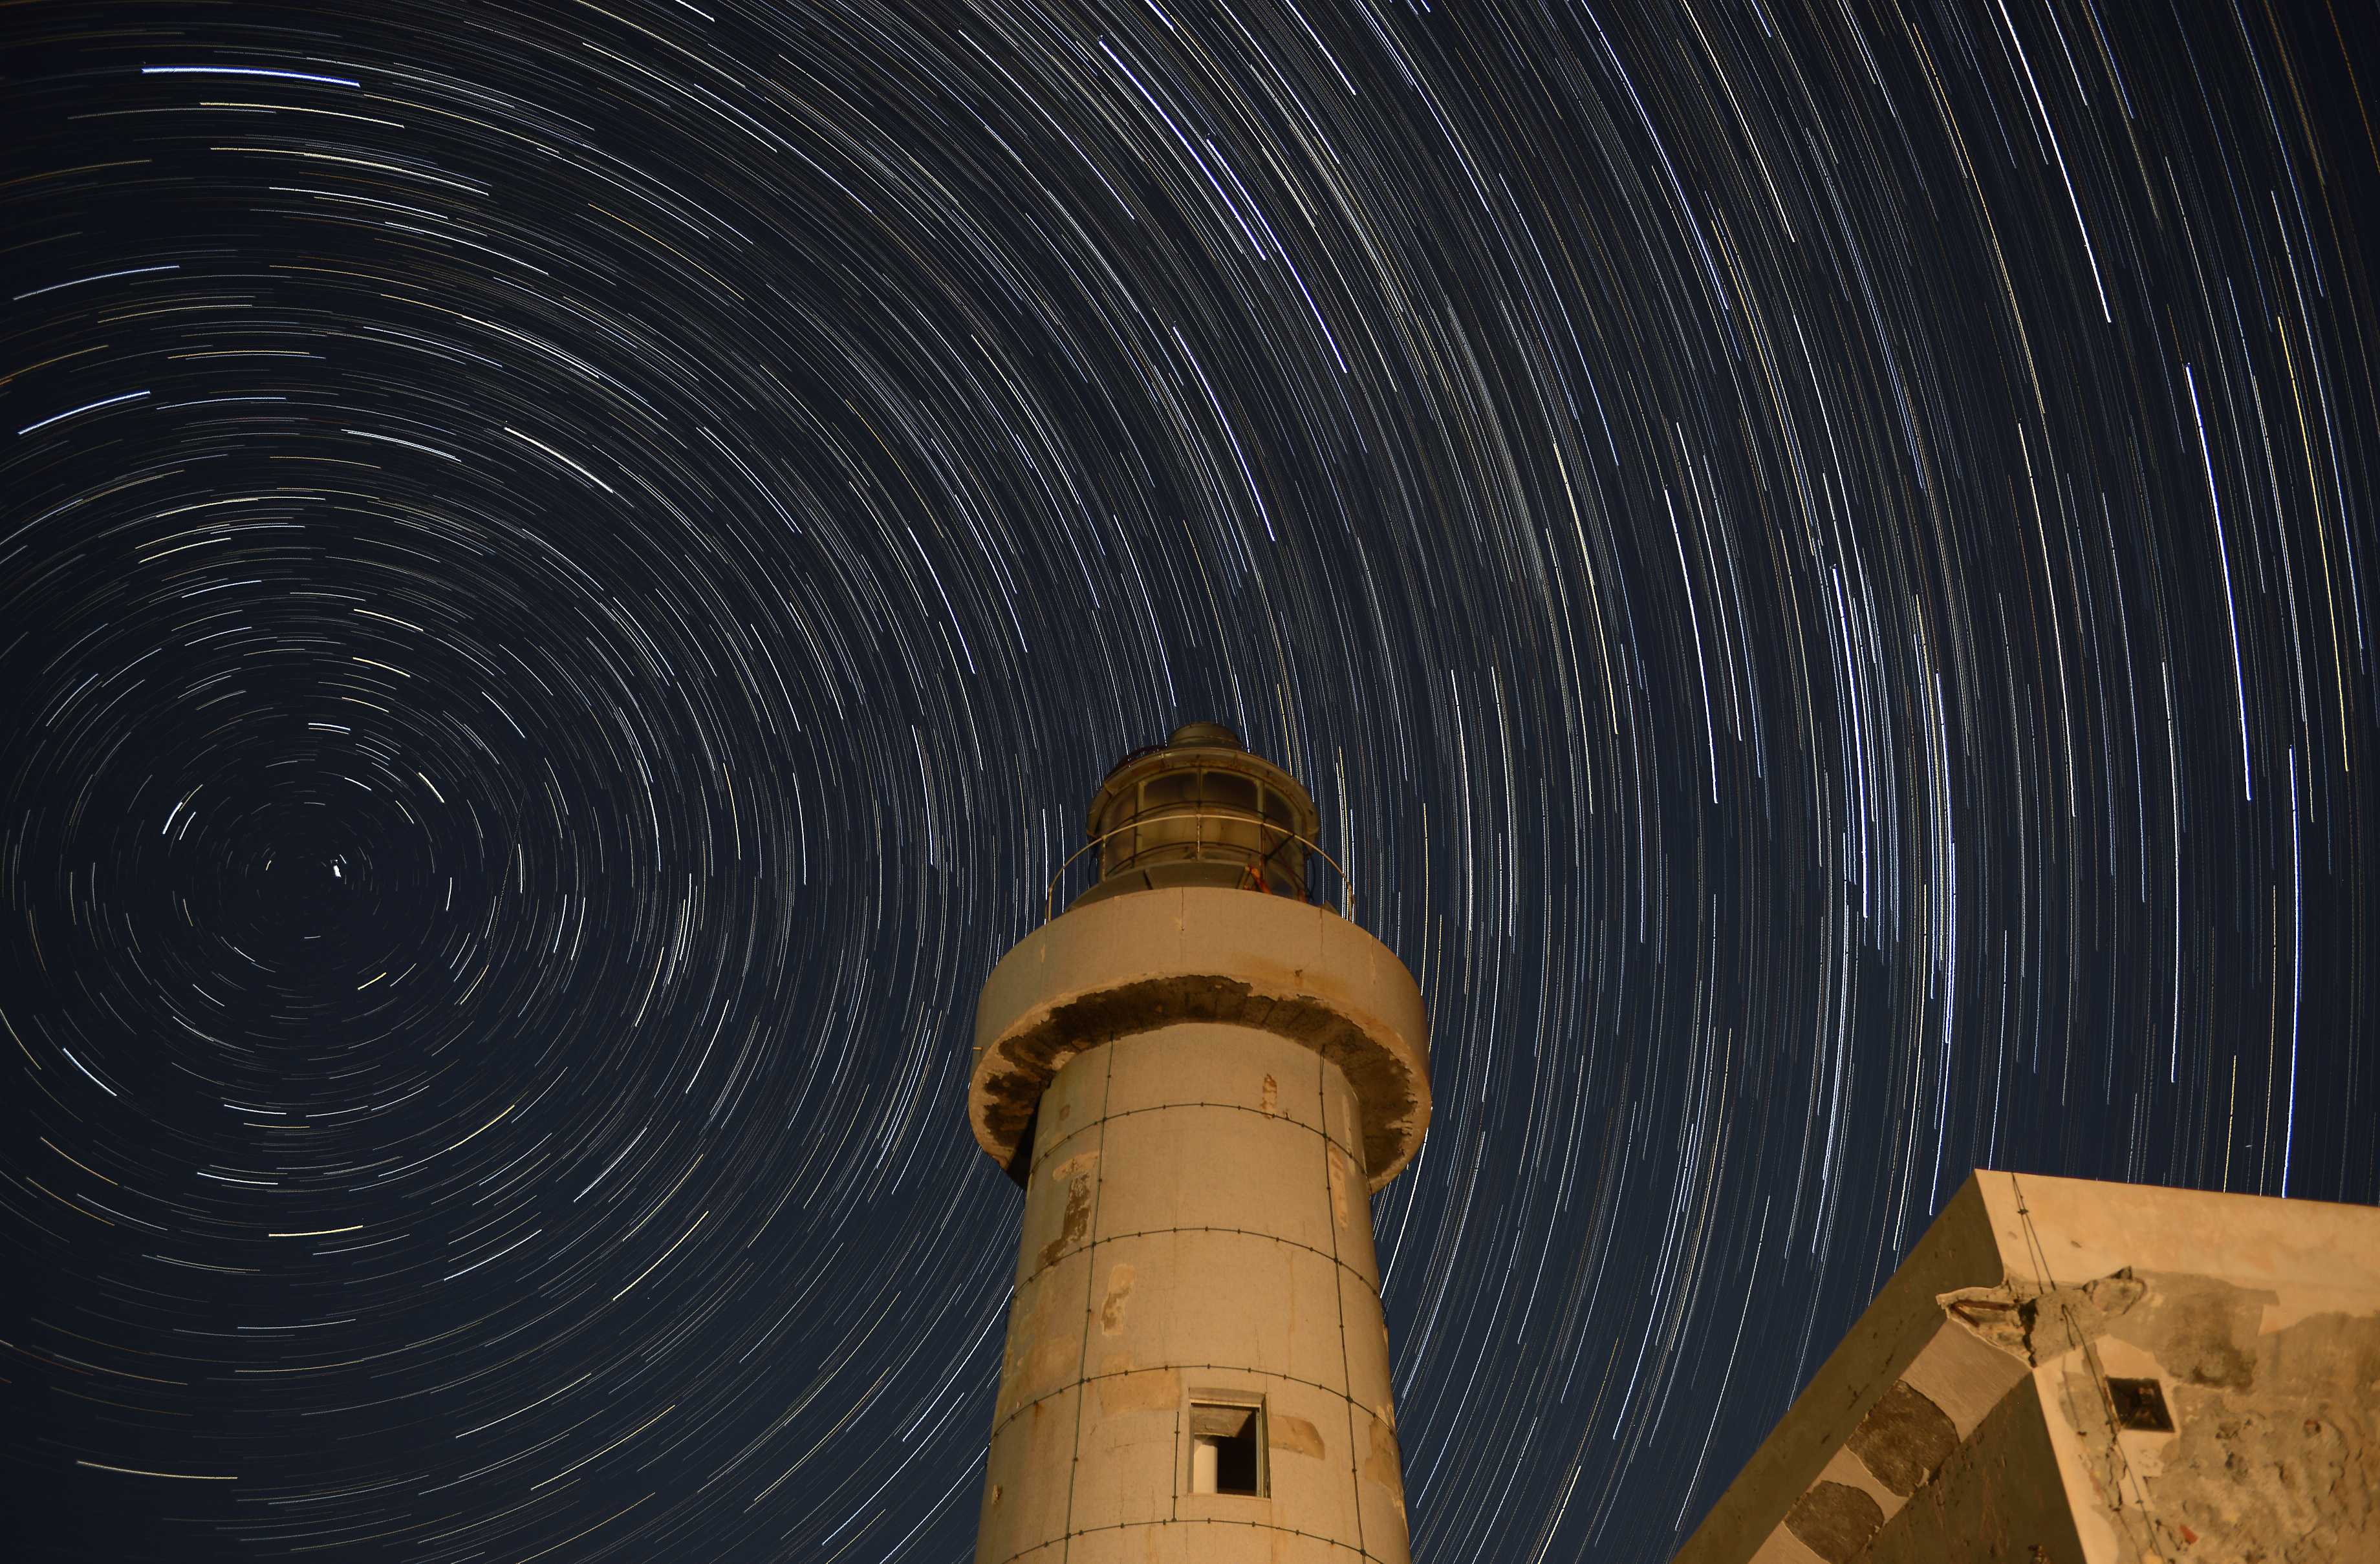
(567, 573)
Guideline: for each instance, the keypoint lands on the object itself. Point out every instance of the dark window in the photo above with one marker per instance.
(1173, 788)
(2139, 1403)
(1226, 1449)
(1226, 791)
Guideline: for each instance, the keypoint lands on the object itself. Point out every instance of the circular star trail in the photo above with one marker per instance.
(568, 574)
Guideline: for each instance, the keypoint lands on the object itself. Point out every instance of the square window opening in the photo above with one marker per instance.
(1227, 1448)
(2139, 1404)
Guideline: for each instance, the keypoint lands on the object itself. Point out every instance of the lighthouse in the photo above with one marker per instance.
(1198, 1077)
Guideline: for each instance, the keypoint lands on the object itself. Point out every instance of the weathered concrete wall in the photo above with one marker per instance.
(1196, 1220)
(1810, 1446)
(2272, 1456)
(2257, 1320)
(1999, 1494)
(2255, 1323)
(1271, 963)
(1200, 1079)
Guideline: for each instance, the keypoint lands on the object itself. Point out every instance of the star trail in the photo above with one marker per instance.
(567, 573)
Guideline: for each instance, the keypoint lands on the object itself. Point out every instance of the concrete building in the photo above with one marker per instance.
(1198, 1078)
(2070, 1371)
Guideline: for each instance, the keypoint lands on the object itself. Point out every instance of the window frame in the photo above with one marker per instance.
(1221, 1401)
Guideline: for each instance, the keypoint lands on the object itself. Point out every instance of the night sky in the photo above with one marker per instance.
(566, 574)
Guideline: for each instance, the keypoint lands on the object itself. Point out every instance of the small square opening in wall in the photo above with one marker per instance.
(2139, 1405)
(1227, 1448)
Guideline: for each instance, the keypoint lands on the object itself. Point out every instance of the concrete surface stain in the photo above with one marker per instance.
(1076, 1172)
(1119, 1293)
(1284, 1432)
(1382, 1466)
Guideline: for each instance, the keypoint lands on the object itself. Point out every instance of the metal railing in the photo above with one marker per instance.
(1198, 844)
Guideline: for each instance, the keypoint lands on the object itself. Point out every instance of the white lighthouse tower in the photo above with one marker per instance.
(1198, 1078)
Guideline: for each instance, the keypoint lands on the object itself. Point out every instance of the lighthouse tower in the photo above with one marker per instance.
(1198, 1078)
